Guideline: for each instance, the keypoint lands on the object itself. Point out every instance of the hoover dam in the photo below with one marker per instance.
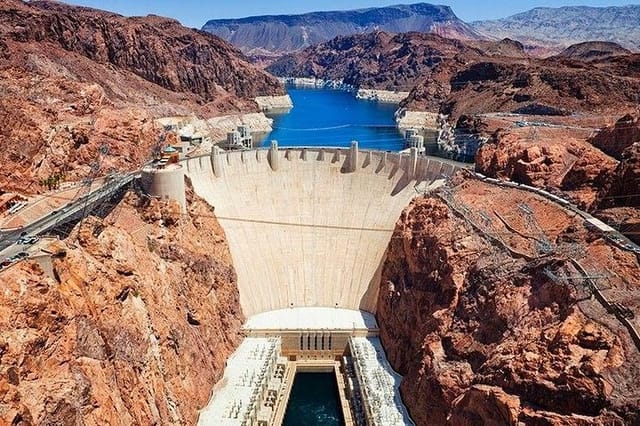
(308, 229)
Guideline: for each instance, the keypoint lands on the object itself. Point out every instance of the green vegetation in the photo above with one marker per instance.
(53, 181)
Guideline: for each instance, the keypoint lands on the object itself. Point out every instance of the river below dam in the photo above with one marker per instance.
(314, 401)
(328, 117)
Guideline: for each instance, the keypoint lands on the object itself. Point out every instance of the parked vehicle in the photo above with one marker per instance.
(28, 239)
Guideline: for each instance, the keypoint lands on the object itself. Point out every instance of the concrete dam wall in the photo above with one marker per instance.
(310, 226)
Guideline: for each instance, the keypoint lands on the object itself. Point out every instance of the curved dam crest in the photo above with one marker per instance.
(310, 226)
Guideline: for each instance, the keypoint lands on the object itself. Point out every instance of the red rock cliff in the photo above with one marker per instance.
(73, 80)
(481, 332)
(133, 327)
(600, 173)
(556, 160)
(157, 49)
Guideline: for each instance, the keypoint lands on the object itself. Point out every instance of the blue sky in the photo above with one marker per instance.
(194, 13)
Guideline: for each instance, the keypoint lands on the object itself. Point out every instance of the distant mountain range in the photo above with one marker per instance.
(287, 33)
(554, 28)
(564, 26)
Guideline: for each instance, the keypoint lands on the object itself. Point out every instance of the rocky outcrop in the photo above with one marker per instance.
(555, 160)
(624, 219)
(481, 332)
(559, 160)
(539, 87)
(81, 88)
(287, 33)
(626, 180)
(590, 50)
(615, 139)
(505, 47)
(133, 327)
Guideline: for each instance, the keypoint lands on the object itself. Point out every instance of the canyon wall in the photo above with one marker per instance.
(158, 49)
(80, 88)
(471, 317)
(133, 325)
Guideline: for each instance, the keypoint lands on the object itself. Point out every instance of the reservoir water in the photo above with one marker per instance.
(326, 117)
(314, 401)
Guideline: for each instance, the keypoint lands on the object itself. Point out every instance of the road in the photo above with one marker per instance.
(69, 211)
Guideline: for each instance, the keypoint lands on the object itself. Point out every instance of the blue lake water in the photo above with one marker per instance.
(325, 117)
(314, 401)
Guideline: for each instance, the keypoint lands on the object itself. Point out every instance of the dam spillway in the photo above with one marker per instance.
(310, 226)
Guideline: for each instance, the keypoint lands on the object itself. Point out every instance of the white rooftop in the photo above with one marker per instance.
(312, 318)
(237, 394)
(379, 383)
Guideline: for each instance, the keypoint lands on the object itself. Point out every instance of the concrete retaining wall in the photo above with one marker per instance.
(314, 231)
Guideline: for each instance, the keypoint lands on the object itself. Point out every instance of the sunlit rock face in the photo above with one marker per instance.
(133, 326)
(75, 80)
(484, 336)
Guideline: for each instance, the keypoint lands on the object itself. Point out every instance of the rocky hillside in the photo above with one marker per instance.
(377, 60)
(622, 141)
(133, 325)
(599, 172)
(481, 332)
(615, 139)
(540, 87)
(76, 79)
(582, 79)
(159, 50)
(591, 50)
(555, 159)
(563, 26)
(287, 33)
(469, 77)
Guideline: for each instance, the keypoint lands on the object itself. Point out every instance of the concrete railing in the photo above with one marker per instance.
(419, 167)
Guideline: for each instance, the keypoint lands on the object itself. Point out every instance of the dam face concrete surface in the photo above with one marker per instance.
(309, 227)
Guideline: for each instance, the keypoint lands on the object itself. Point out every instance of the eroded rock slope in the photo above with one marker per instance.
(133, 326)
(74, 80)
(471, 316)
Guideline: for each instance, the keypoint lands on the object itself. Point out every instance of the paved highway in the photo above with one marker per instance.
(69, 211)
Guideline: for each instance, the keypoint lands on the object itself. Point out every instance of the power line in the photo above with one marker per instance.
(323, 226)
